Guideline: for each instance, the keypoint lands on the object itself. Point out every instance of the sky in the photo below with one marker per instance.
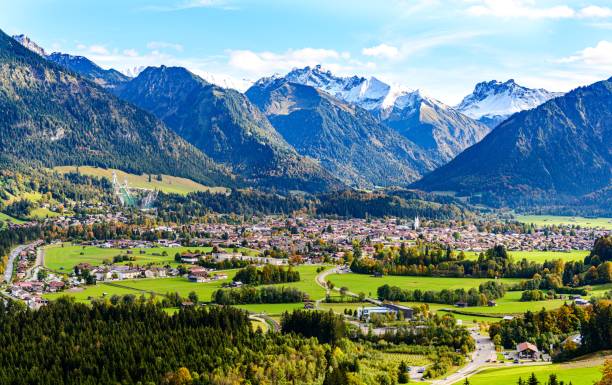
(440, 47)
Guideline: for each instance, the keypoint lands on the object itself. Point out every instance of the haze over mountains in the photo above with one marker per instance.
(313, 131)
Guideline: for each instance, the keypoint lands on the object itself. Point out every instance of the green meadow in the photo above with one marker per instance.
(540, 256)
(183, 286)
(167, 184)
(7, 218)
(577, 373)
(369, 284)
(63, 257)
(549, 220)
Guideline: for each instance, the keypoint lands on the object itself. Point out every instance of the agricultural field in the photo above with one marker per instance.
(540, 256)
(549, 220)
(63, 257)
(584, 372)
(369, 284)
(167, 184)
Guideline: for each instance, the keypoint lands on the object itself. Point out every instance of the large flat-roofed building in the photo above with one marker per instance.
(404, 310)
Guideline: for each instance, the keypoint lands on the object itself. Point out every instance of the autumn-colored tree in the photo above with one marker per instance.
(606, 378)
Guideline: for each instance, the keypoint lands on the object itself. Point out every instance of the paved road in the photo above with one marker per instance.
(484, 350)
(8, 273)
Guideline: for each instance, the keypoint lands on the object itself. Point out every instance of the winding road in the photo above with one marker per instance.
(484, 347)
(8, 272)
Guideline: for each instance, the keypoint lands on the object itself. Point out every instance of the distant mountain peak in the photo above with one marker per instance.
(30, 44)
(493, 101)
(424, 120)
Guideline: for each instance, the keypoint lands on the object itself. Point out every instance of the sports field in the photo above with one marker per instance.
(63, 257)
(540, 256)
(578, 373)
(168, 184)
(549, 220)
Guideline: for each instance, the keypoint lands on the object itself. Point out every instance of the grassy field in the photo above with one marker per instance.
(369, 284)
(94, 291)
(64, 258)
(168, 184)
(183, 286)
(7, 218)
(548, 220)
(540, 256)
(578, 373)
(271, 309)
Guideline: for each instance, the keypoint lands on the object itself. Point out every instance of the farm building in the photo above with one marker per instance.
(527, 350)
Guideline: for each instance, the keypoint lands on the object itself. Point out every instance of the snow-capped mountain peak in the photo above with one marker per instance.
(30, 44)
(493, 101)
(370, 93)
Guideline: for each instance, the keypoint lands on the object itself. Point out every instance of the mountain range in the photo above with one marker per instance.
(559, 150)
(56, 117)
(493, 102)
(225, 126)
(439, 129)
(346, 139)
(309, 130)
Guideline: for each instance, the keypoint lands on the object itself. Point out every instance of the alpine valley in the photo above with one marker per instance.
(312, 131)
(232, 192)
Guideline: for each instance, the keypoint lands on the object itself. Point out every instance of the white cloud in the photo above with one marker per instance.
(599, 57)
(130, 52)
(98, 49)
(595, 11)
(190, 4)
(519, 9)
(163, 45)
(381, 50)
(266, 62)
(528, 9)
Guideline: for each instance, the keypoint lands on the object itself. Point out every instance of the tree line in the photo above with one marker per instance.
(268, 274)
(249, 294)
(486, 292)
(139, 343)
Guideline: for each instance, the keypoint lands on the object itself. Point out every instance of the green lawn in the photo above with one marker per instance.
(369, 284)
(540, 256)
(548, 220)
(65, 258)
(578, 375)
(168, 184)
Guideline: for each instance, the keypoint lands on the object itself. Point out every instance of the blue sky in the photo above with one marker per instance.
(441, 47)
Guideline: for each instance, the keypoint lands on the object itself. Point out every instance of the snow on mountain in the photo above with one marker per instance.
(439, 129)
(494, 101)
(371, 93)
(30, 44)
(225, 81)
(132, 71)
